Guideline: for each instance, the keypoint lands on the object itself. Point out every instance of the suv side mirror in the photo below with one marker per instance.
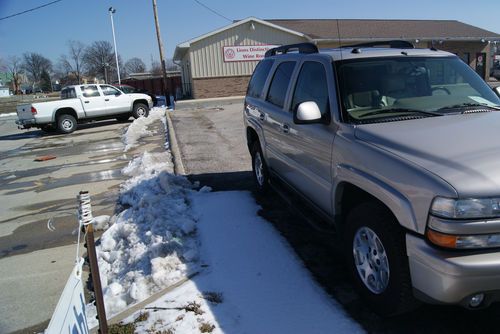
(497, 90)
(118, 94)
(307, 113)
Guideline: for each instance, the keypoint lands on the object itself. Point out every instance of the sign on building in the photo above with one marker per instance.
(245, 52)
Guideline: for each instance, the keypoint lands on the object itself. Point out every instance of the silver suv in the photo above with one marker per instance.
(399, 147)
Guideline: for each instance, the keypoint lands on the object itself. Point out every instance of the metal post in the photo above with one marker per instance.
(160, 46)
(111, 12)
(94, 267)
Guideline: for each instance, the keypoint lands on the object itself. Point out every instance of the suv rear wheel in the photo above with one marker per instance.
(376, 251)
(259, 168)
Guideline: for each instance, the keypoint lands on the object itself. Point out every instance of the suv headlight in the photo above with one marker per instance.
(466, 208)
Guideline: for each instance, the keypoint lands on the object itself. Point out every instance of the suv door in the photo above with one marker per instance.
(93, 101)
(308, 147)
(116, 102)
(277, 118)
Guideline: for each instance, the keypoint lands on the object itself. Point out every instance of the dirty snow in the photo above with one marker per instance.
(10, 114)
(139, 128)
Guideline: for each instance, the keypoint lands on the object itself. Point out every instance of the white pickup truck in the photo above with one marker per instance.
(82, 103)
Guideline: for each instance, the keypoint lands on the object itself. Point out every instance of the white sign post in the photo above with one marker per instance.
(69, 316)
(245, 52)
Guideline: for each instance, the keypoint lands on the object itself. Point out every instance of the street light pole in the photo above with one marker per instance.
(160, 46)
(111, 12)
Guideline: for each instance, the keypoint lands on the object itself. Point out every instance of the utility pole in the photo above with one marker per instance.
(111, 12)
(160, 46)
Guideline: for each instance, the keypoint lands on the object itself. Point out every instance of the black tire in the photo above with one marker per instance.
(123, 118)
(66, 123)
(140, 109)
(396, 296)
(259, 168)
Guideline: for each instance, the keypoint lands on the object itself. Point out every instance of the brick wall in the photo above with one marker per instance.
(220, 87)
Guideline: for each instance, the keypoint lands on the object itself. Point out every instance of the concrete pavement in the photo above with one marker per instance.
(34, 261)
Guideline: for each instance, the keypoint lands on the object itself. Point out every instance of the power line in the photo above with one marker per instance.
(213, 10)
(29, 10)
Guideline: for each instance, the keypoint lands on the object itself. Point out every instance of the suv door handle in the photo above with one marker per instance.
(86, 101)
(262, 116)
(106, 99)
(285, 128)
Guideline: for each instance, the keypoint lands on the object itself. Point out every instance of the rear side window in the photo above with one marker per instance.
(90, 91)
(279, 85)
(259, 77)
(311, 86)
(68, 93)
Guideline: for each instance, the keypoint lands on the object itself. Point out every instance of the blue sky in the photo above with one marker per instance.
(47, 30)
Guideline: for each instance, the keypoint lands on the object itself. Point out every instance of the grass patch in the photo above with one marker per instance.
(122, 328)
(206, 327)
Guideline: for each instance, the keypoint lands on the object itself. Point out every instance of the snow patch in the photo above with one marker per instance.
(139, 127)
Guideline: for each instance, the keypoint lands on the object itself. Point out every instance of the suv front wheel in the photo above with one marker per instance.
(259, 168)
(376, 251)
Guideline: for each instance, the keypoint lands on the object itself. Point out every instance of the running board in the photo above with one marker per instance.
(311, 215)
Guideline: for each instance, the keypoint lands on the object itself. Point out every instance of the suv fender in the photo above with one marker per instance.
(397, 203)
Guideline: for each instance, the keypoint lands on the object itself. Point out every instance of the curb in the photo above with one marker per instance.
(208, 103)
(174, 147)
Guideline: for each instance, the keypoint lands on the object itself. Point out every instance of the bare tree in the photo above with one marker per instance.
(135, 65)
(64, 73)
(14, 68)
(34, 63)
(76, 52)
(171, 66)
(99, 60)
(156, 68)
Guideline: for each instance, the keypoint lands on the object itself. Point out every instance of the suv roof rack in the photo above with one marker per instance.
(393, 44)
(301, 48)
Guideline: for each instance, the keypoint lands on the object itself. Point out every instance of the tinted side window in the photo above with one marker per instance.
(68, 93)
(259, 78)
(279, 85)
(311, 86)
(89, 91)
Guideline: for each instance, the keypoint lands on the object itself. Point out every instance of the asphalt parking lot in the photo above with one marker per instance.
(36, 256)
(213, 150)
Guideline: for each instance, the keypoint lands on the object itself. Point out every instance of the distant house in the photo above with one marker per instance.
(4, 91)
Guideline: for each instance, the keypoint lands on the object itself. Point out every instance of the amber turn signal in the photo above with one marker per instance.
(441, 239)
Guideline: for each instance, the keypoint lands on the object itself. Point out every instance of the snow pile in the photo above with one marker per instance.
(152, 242)
(101, 223)
(253, 281)
(139, 128)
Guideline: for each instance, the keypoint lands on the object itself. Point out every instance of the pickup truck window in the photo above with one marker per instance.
(280, 82)
(259, 77)
(90, 91)
(311, 85)
(68, 93)
(108, 90)
(376, 88)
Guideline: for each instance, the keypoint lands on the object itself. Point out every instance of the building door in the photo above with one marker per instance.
(481, 64)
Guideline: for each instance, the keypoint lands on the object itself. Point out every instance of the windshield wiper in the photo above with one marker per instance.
(401, 110)
(469, 104)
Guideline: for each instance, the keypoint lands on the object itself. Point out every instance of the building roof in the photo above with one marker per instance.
(363, 29)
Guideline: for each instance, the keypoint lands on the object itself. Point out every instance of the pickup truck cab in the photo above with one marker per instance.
(82, 103)
(398, 149)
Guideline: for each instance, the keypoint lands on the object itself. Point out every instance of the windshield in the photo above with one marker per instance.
(373, 89)
(127, 89)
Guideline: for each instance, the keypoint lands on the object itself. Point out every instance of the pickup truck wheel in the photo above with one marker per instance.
(375, 244)
(259, 168)
(66, 123)
(140, 110)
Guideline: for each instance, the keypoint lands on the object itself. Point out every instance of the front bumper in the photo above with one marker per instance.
(452, 277)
